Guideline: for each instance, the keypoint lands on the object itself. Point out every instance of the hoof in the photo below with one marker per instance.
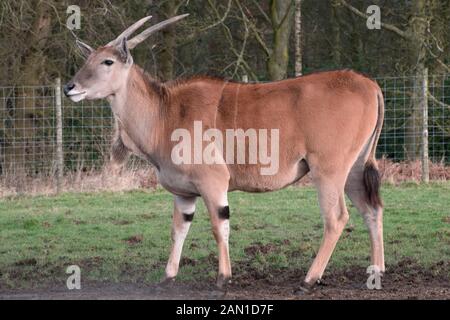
(321, 283)
(167, 282)
(223, 282)
(305, 289)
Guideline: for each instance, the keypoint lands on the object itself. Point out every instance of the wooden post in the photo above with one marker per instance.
(424, 106)
(59, 137)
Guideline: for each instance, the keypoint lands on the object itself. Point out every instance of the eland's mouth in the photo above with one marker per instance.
(76, 96)
(75, 93)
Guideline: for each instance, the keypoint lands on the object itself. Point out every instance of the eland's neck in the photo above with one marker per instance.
(137, 109)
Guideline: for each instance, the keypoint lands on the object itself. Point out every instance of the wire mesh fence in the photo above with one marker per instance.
(401, 138)
(28, 131)
(28, 127)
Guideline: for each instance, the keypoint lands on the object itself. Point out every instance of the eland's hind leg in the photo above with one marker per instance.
(372, 213)
(217, 204)
(184, 209)
(335, 216)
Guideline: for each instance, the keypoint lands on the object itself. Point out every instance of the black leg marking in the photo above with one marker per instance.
(188, 217)
(224, 213)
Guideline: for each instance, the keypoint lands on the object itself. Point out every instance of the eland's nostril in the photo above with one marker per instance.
(68, 87)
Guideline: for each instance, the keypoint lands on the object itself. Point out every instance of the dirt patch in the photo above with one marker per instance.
(186, 261)
(121, 222)
(259, 248)
(26, 262)
(134, 239)
(406, 280)
(147, 216)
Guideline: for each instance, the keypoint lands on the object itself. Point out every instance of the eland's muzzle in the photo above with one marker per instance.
(68, 87)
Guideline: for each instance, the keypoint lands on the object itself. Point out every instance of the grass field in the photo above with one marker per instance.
(125, 237)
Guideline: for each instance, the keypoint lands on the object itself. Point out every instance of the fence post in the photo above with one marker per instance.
(59, 137)
(424, 106)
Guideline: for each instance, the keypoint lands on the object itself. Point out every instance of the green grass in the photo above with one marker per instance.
(41, 236)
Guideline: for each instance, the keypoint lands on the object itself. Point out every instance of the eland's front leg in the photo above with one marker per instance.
(184, 209)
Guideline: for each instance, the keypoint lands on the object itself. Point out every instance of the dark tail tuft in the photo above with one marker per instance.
(372, 181)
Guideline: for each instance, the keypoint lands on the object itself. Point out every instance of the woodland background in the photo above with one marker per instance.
(229, 37)
(238, 39)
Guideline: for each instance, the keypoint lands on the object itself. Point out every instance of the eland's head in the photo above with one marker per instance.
(106, 69)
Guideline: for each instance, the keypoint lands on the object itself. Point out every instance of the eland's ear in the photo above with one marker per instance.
(124, 51)
(85, 49)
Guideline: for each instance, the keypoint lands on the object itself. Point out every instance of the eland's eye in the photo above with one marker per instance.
(108, 62)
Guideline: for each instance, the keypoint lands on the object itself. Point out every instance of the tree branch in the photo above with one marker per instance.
(264, 14)
(446, 67)
(221, 20)
(435, 100)
(386, 26)
(229, 38)
(199, 32)
(258, 37)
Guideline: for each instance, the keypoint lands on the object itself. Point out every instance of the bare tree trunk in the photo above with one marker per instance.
(281, 14)
(25, 108)
(170, 9)
(336, 34)
(298, 38)
(418, 29)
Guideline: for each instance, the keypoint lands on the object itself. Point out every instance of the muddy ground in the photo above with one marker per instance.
(403, 281)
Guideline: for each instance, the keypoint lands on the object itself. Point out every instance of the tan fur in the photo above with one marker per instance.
(328, 124)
